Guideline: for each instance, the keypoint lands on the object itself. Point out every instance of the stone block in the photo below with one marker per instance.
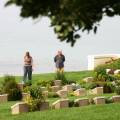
(116, 99)
(3, 98)
(62, 93)
(24, 96)
(21, 86)
(97, 90)
(19, 108)
(99, 100)
(55, 88)
(80, 92)
(44, 106)
(57, 82)
(82, 101)
(63, 103)
(68, 88)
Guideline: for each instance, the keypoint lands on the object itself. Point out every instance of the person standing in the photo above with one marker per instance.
(59, 60)
(28, 63)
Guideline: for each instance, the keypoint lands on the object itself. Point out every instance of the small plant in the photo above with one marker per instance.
(61, 76)
(35, 99)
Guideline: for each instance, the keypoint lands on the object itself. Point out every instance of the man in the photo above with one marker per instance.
(59, 60)
(28, 63)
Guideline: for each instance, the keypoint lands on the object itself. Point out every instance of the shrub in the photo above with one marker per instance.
(61, 76)
(10, 87)
(36, 93)
(53, 95)
(35, 99)
(14, 94)
(101, 75)
(45, 83)
(117, 88)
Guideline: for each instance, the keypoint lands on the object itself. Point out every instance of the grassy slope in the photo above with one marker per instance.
(100, 112)
(50, 76)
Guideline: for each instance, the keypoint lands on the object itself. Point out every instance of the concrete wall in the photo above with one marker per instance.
(95, 60)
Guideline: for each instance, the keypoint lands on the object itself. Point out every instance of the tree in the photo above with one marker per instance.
(69, 16)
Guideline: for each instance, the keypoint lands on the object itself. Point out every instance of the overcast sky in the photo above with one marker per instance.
(18, 35)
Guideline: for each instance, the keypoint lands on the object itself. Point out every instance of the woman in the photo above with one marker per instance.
(28, 62)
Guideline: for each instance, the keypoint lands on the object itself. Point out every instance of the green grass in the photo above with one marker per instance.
(91, 112)
(75, 76)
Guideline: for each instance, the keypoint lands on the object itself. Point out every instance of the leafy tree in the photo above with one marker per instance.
(69, 16)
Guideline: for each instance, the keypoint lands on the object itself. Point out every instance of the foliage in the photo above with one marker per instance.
(69, 16)
(45, 83)
(101, 75)
(52, 95)
(10, 87)
(14, 94)
(36, 93)
(117, 89)
(35, 99)
(61, 76)
(88, 86)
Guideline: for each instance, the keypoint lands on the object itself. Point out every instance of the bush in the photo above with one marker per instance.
(35, 99)
(88, 86)
(10, 87)
(61, 76)
(117, 89)
(36, 93)
(53, 95)
(101, 75)
(14, 94)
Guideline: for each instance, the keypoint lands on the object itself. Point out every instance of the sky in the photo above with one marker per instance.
(18, 35)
